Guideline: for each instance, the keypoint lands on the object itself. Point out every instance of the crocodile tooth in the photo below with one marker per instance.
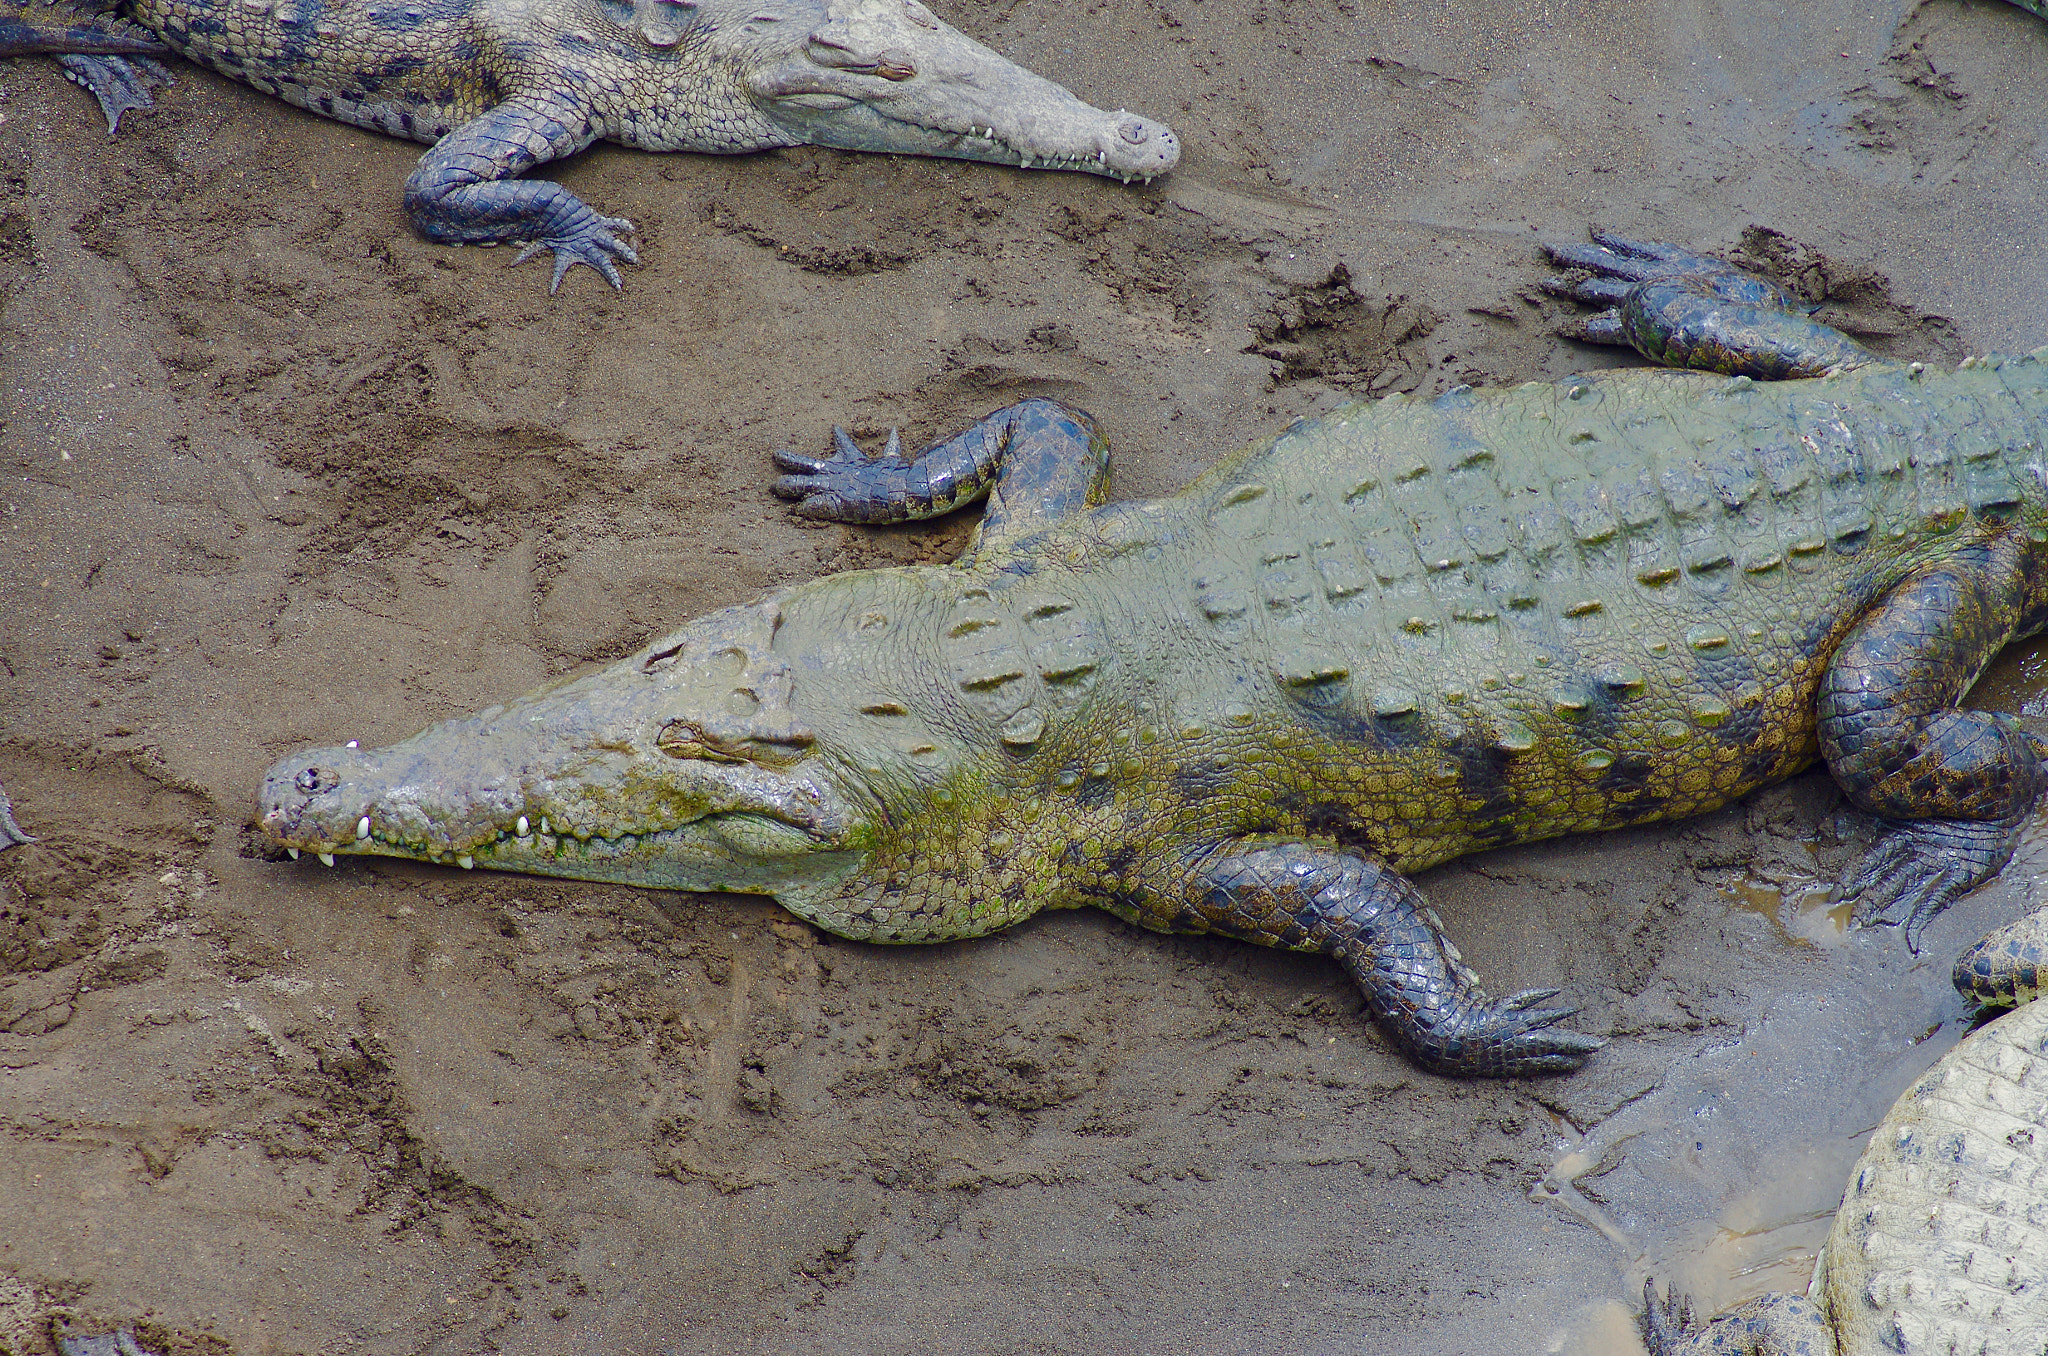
(327, 859)
(353, 743)
(543, 823)
(294, 852)
(466, 862)
(363, 827)
(523, 828)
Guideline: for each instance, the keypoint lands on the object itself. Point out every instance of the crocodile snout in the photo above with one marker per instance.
(1142, 148)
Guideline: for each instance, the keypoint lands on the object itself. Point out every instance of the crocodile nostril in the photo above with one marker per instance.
(317, 780)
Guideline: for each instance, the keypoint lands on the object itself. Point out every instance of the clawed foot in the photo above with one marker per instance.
(119, 83)
(593, 241)
(1920, 867)
(1506, 1038)
(1666, 1321)
(832, 487)
(1618, 266)
(1687, 310)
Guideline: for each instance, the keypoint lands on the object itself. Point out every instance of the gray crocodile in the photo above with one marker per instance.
(500, 86)
(1941, 1244)
(1411, 630)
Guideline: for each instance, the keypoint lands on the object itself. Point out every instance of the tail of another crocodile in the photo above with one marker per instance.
(107, 54)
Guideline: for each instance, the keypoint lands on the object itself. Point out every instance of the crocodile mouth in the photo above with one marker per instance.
(683, 824)
(874, 79)
(1123, 145)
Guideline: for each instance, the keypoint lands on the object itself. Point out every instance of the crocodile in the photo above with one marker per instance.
(1941, 1243)
(1411, 630)
(497, 87)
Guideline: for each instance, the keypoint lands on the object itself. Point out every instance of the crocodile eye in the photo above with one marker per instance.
(316, 781)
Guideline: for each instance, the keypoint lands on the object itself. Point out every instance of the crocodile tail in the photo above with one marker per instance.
(72, 28)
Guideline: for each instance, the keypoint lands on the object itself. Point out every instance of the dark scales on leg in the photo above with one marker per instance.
(1953, 787)
(1367, 917)
(466, 190)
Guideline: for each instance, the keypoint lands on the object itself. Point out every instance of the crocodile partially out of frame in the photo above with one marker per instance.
(1941, 1244)
(1405, 632)
(501, 86)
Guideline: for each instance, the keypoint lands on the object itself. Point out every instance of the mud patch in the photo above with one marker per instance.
(37, 1320)
(1331, 332)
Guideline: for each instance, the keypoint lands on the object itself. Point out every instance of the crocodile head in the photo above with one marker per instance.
(889, 76)
(684, 767)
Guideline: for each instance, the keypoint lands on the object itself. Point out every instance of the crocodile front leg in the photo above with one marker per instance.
(1374, 923)
(1687, 310)
(1953, 786)
(465, 191)
(1037, 461)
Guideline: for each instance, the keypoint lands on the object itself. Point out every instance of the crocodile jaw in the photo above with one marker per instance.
(888, 76)
(637, 774)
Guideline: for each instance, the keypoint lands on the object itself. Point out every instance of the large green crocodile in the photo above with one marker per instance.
(1941, 1244)
(1409, 631)
(501, 86)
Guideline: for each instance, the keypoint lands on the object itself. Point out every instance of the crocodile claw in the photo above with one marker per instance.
(594, 242)
(1920, 867)
(1512, 1036)
(822, 487)
(1633, 261)
(1682, 309)
(1616, 265)
(1666, 1321)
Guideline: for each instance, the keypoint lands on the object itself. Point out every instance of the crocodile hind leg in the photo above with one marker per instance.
(466, 190)
(1374, 923)
(1769, 1325)
(1686, 310)
(1037, 461)
(1953, 786)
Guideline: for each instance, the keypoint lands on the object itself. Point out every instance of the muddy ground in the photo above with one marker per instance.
(278, 472)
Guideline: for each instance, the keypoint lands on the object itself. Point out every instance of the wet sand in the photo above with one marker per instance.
(277, 472)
